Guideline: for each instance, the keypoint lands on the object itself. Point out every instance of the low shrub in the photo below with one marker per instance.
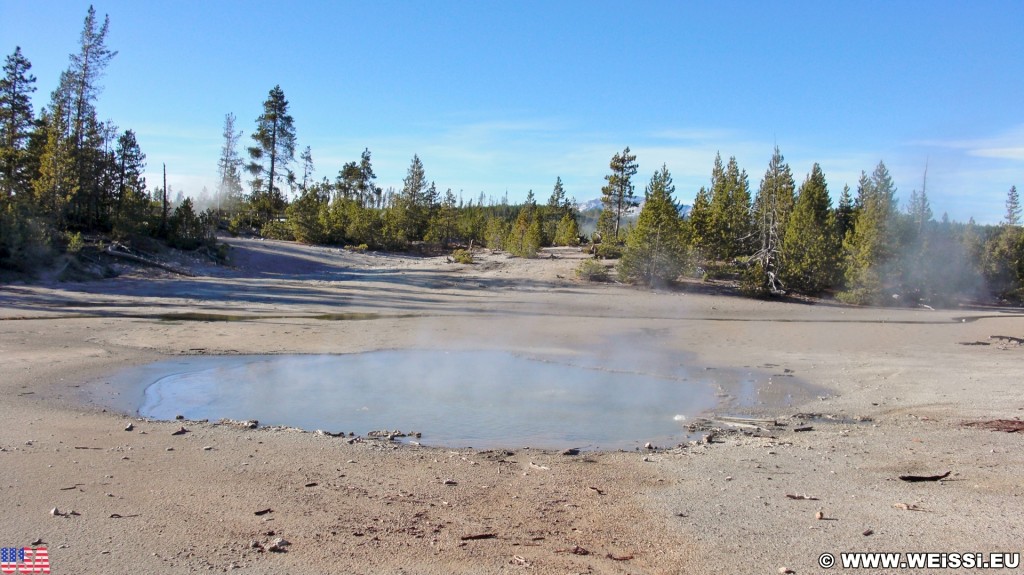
(462, 256)
(277, 231)
(609, 251)
(592, 271)
(75, 243)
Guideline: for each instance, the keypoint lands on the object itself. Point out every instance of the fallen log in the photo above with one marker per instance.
(111, 251)
(916, 478)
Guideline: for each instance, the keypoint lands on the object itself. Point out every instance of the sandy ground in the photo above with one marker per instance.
(893, 388)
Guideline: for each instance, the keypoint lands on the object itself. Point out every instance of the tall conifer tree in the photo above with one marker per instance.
(1012, 217)
(731, 225)
(272, 155)
(617, 194)
(872, 248)
(655, 249)
(229, 168)
(771, 211)
(810, 248)
(16, 88)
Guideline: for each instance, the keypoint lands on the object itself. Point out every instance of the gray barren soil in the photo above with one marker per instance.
(886, 394)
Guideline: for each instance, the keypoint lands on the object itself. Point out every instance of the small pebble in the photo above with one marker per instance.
(278, 545)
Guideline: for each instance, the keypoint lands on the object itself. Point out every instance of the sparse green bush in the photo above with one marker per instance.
(463, 256)
(188, 230)
(24, 238)
(567, 232)
(75, 243)
(592, 271)
(221, 253)
(609, 251)
(276, 230)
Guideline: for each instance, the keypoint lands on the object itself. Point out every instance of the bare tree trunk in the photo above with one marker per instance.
(163, 211)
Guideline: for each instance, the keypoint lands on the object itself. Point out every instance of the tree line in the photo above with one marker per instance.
(783, 238)
(64, 172)
(353, 210)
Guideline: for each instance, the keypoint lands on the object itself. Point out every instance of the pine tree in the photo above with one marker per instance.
(1013, 209)
(131, 163)
(346, 184)
(496, 232)
(919, 209)
(229, 166)
(656, 248)
(524, 238)
(558, 201)
(307, 168)
(845, 214)
(414, 186)
(871, 249)
(918, 259)
(617, 194)
(272, 155)
(369, 194)
(86, 69)
(731, 230)
(89, 139)
(772, 208)
(557, 208)
(16, 88)
(189, 230)
(406, 219)
(699, 223)
(810, 249)
(567, 233)
(304, 216)
(56, 183)
(442, 227)
(1003, 261)
(130, 214)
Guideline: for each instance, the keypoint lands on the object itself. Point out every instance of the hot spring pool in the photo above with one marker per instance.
(483, 399)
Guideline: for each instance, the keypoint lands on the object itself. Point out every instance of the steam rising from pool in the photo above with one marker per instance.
(483, 399)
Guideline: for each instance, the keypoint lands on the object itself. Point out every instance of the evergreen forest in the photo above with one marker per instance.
(70, 180)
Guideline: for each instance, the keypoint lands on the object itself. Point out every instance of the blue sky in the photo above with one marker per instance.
(498, 97)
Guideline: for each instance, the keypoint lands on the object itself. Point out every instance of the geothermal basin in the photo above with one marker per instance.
(481, 399)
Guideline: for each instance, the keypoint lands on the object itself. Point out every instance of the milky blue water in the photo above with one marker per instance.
(482, 399)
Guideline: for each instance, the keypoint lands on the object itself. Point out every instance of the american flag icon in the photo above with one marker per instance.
(24, 560)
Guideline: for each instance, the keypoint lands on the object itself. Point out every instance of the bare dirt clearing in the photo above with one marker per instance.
(896, 386)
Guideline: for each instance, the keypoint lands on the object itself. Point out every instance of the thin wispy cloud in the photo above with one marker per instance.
(1008, 145)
